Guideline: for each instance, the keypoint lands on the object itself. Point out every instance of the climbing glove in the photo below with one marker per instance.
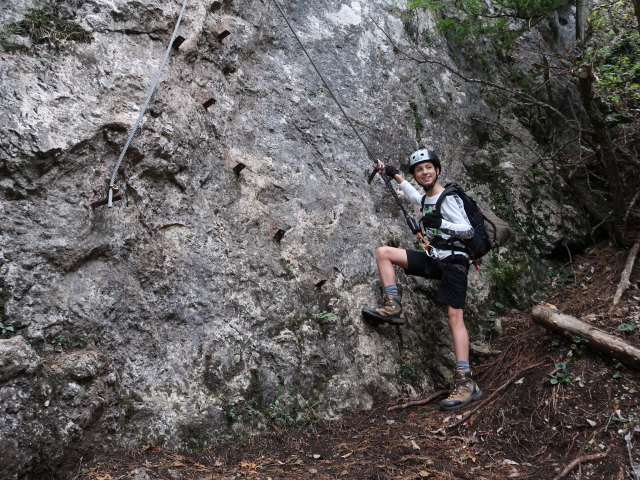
(432, 220)
(391, 170)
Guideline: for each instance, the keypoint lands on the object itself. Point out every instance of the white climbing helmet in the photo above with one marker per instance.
(424, 155)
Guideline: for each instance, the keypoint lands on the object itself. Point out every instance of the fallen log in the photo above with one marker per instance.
(597, 339)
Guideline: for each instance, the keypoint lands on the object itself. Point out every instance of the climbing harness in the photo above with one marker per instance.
(411, 222)
(143, 109)
(379, 165)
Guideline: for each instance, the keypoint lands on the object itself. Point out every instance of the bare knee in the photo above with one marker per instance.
(393, 255)
(383, 253)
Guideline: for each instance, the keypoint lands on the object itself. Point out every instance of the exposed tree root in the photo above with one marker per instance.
(578, 461)
(491, 397)
(415, 403)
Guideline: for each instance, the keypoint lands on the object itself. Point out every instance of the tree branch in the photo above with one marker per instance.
(579, 460)
(626, 273)
(515, 93)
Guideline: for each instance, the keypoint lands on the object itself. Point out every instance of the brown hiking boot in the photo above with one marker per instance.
(463, 391)
(390, 312)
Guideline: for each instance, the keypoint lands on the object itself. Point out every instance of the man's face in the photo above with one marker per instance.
(425, 174)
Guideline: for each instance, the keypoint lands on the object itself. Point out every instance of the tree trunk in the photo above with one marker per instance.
(636, 6)
(597, 339)
(582, 7)
(602, 137)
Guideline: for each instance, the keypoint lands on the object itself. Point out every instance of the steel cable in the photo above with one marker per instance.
(145, 105)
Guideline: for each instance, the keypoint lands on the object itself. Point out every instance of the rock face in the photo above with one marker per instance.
(223, 291)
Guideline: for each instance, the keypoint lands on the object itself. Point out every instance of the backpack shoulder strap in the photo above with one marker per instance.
(449, 189)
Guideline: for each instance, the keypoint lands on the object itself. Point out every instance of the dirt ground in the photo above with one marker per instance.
(551, 409)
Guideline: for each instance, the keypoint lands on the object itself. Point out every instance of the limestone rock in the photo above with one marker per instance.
(232, 272)
(17, 358)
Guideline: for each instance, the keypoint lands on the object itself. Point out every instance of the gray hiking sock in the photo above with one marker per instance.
(391, 290)
(463, 365)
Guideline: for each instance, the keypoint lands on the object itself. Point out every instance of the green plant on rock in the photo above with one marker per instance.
(44, 25)
(5, 294)
(417, 121)
(501, 21)
(279, 414)
(325, 317)
(232, 412)
(81, 342)
(408, 371)
(5, 329)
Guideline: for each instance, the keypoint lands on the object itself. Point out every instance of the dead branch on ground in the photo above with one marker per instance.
(579, 460)
(626, 273)
(629, 439)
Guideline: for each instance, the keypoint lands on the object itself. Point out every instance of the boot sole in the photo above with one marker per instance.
(372, 315)
(473, 398)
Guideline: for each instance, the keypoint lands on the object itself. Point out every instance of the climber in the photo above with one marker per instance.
(448, 266)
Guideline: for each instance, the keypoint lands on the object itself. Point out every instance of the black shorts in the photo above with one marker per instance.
(453, 276)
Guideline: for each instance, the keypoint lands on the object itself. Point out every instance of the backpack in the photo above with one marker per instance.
(489, 230)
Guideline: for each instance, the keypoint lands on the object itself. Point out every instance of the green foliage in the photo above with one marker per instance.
(5, 329)
(81, 342)
(408, 371)
(500, 271)
(5, 294)
(325, 317)
(560, 277)
(43, 25)
(501, 21)
(615, 53)
(514, 282)
(490, 316)
(417, 122)
(626, 327)
(560, 376)
(128, 402)
(279, 414)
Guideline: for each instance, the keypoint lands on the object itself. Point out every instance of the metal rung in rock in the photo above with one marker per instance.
(278, 235)
(224, 34)
(105, 200)
(238, 168)
(208, 103)
(177, 42)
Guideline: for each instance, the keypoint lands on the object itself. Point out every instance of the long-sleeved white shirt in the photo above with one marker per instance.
(455, 222)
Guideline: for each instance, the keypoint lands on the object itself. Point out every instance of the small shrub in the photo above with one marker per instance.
(408, 371)
(626, 327)
(560, 376)
(5, 329)
(43, 25)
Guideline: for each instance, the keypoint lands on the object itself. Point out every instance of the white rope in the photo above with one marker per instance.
(145, 105)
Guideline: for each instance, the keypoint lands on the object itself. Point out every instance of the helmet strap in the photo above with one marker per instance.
(428, 189)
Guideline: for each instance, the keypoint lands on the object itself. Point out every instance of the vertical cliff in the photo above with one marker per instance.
(225, 287)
